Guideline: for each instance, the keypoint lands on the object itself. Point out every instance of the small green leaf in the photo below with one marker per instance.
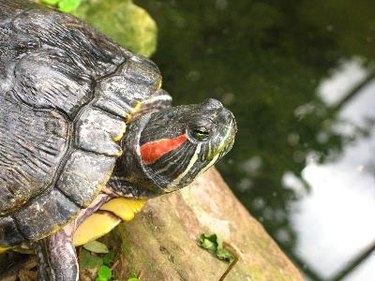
(134, 277)
(104, 273)
(68, 6)
(96, 247)
(225, 255)
(208, 242)
(89, 260)
(109, 258)
(50, 2)
(215, 246)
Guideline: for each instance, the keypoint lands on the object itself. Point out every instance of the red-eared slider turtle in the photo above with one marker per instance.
(67, 94)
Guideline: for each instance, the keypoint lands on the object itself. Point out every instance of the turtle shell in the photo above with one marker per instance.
(66, 94)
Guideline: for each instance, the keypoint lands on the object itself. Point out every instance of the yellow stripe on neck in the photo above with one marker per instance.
(4, 249)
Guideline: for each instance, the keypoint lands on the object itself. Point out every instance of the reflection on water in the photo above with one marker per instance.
(297, 75)
(336, 220)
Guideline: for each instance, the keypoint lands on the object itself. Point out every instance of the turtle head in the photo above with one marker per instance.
(166, 150)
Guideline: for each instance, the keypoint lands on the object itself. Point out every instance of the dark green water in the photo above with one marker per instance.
(266, 60)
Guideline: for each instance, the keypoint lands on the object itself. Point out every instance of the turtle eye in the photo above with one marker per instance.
(200, 133)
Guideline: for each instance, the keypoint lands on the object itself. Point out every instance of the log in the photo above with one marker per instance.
(161, 242)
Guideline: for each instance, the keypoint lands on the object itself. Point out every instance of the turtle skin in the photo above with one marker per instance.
(66, 95)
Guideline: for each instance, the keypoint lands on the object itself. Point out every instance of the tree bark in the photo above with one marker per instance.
(161, 242)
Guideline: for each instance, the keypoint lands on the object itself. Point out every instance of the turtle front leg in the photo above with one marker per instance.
(57, 254)
(57, 257)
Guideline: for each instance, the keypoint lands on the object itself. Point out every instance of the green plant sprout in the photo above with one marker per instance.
(65, 6)
(134, 277)
(97, 255)
(218, 248)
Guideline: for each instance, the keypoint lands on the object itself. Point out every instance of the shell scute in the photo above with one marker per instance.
(33, 143)
(96, 131)
(44, 214)
(83, 176)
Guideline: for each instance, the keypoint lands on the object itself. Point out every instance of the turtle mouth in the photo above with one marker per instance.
(228, 146)
(227, 143)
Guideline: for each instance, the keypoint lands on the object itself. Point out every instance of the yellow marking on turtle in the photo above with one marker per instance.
(118, 154)
(4, 249)
(136, 109)
(57, 228)
(193, 160)
(94, 226)
(122, 132)
(124, 208)
(209, 164)
(222, 145)
(138, 106)
(99, 187)
(73, 24)
(158, 87)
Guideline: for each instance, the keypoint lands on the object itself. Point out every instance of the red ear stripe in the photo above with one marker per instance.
(153, 150)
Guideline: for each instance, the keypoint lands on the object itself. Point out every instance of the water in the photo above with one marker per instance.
(298, 75)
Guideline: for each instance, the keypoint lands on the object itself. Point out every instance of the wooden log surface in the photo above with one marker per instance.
(161, 242)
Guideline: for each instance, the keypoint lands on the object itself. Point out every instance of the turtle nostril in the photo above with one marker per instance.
(226, 117)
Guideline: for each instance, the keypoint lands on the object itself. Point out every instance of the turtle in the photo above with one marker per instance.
(85, 125)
